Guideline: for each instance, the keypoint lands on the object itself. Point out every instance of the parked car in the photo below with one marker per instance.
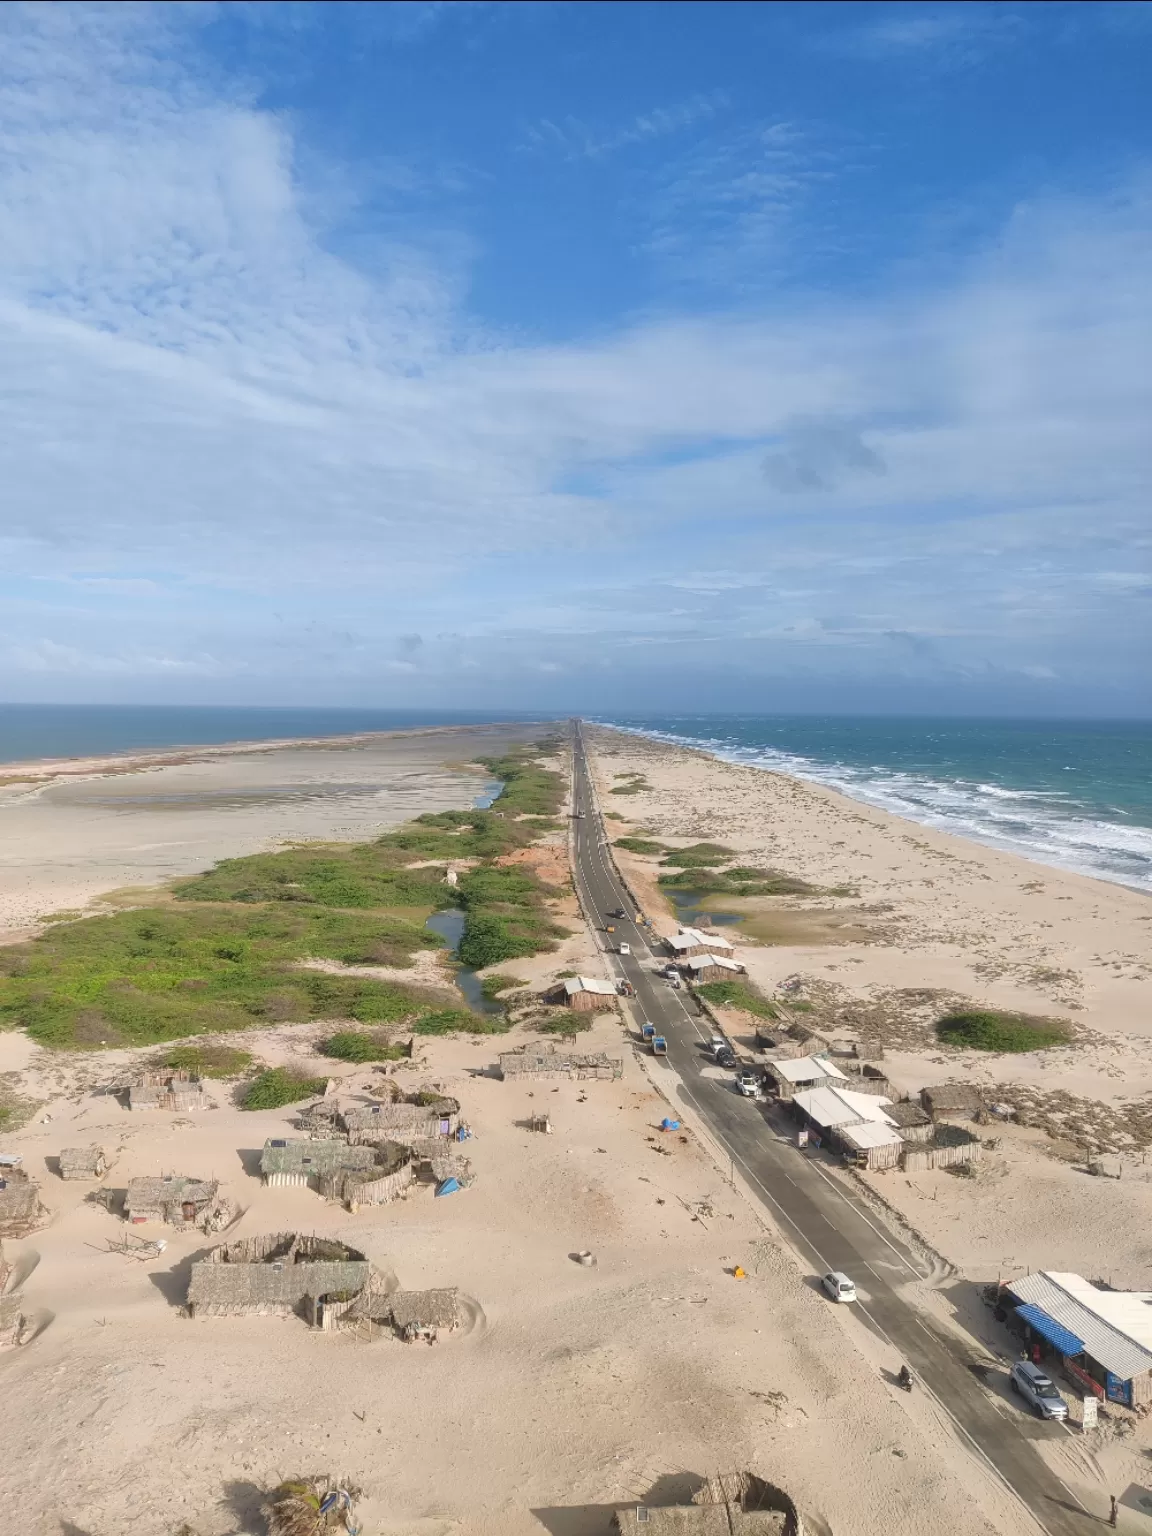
(748, 1083)
(1038, 1390)
(669, 971)
(625, 949)
(718, 1044)
(726, 1058)
(838, 1286)
(675, 983)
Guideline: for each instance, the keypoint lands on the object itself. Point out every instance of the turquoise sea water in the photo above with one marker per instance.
(1076, 794)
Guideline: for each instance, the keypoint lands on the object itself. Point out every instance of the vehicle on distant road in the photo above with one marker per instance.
(617, 912)
(749, 1083)
(625, 949)
(675, 983)
(659, 1045)
(1038, 1390)
(727, 1059)
(838, 1285)
(718, 1044)
(647, 1031)
(669, 971)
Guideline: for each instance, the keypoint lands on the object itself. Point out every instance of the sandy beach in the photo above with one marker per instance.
(73, 830)
(569, 1390)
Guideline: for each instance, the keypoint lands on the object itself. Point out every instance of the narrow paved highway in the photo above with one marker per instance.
(826, 1225)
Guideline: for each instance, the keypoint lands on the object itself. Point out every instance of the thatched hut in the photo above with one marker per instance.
(586, 994)
(424, 1314)
(168, 1089)
(311, 1506)
(952, 1101)
(321, 1120)
(21, 1210)
(281, 1274)
(402, 1122)
(544, 1061)
(913, 1123)
(286, 1164)
(83, 1163)
(735, 1502)
(178, 1201)
(387, 1177)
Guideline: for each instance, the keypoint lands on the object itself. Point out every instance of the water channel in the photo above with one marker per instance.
(449, 924)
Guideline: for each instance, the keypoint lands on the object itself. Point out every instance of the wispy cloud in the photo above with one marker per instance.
(354, 480)
(576, 140)
(947, 36)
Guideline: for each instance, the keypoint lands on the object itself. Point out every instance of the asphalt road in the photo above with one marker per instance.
(825, 1224)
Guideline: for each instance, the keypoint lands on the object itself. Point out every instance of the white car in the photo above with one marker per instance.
(625, 949)
(1038, 1390)
(838, 1286)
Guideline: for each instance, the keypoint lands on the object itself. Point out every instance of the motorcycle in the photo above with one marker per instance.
(904, 1379)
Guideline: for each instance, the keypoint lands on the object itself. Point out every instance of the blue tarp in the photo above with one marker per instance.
(449, 1187)
(1064, 1340)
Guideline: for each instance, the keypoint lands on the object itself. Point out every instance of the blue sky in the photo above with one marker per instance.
(577, 355)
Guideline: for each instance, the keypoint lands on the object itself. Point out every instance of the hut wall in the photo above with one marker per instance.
(935, 1155)
(584, 1002)
(877, 1158)
(290, 1180)
(916, 1133)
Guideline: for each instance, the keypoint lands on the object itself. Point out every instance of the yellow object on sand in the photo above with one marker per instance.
(738, 1274)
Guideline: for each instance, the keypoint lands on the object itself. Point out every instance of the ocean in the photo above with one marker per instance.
(32, 731)
(1074, 794)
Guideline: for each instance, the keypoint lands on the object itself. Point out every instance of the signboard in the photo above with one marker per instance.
(1088, 1413)
(801, 1138)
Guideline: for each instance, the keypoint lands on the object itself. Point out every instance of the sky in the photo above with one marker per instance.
(577, 356)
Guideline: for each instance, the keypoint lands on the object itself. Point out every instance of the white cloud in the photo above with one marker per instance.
(192, 383)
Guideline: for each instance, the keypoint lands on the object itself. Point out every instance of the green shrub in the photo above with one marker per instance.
(710, 882)
(639, 845)
(984, 1029)
(278, 1086)
(209, 1060)
(492, 986)
(570, 1023)
(360, 1046)
(458, 1021)
(737, 994)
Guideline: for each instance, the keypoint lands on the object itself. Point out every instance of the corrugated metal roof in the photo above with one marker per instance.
(700, 962)
(870, 1135)
(1097, 1317)
(1056, 1333)
(589, 984)
(830, 1107)
(806, 1069)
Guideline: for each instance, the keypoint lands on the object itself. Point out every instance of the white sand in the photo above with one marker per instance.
(83, 828)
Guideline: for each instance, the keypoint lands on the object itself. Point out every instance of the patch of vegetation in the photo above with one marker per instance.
(635, 786)
(150, 975)
(985, 1029)
(699, 853)
(567, 1023)
(737, 994)
(209, 1060)
(639, 845)
(614, 816)
(492, 986)
(279, 1086)
(15, 1111)
(459, 1021)
(227, 954)
(710, 882)
(360, 1045)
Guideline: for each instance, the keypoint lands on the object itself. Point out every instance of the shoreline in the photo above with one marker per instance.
(45, 769)
(1000, 842)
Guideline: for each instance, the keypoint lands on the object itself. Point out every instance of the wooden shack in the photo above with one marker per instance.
(949, 1146)
(168, 1089)
(321, 1120)
(424, 1314)
(83, 1163)
(545, 1061)
(733, 1502)
(387, 1177)
(21, 1210)
(587, 994)
(952, 1101)
(405, 1123)
(178, 1201)
(913, 1123)
(280, 1274)
(712, 967)
(298, 1164)
(690, 942)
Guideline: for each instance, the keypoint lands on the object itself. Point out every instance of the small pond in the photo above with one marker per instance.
(691, 909)
(449, 924)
